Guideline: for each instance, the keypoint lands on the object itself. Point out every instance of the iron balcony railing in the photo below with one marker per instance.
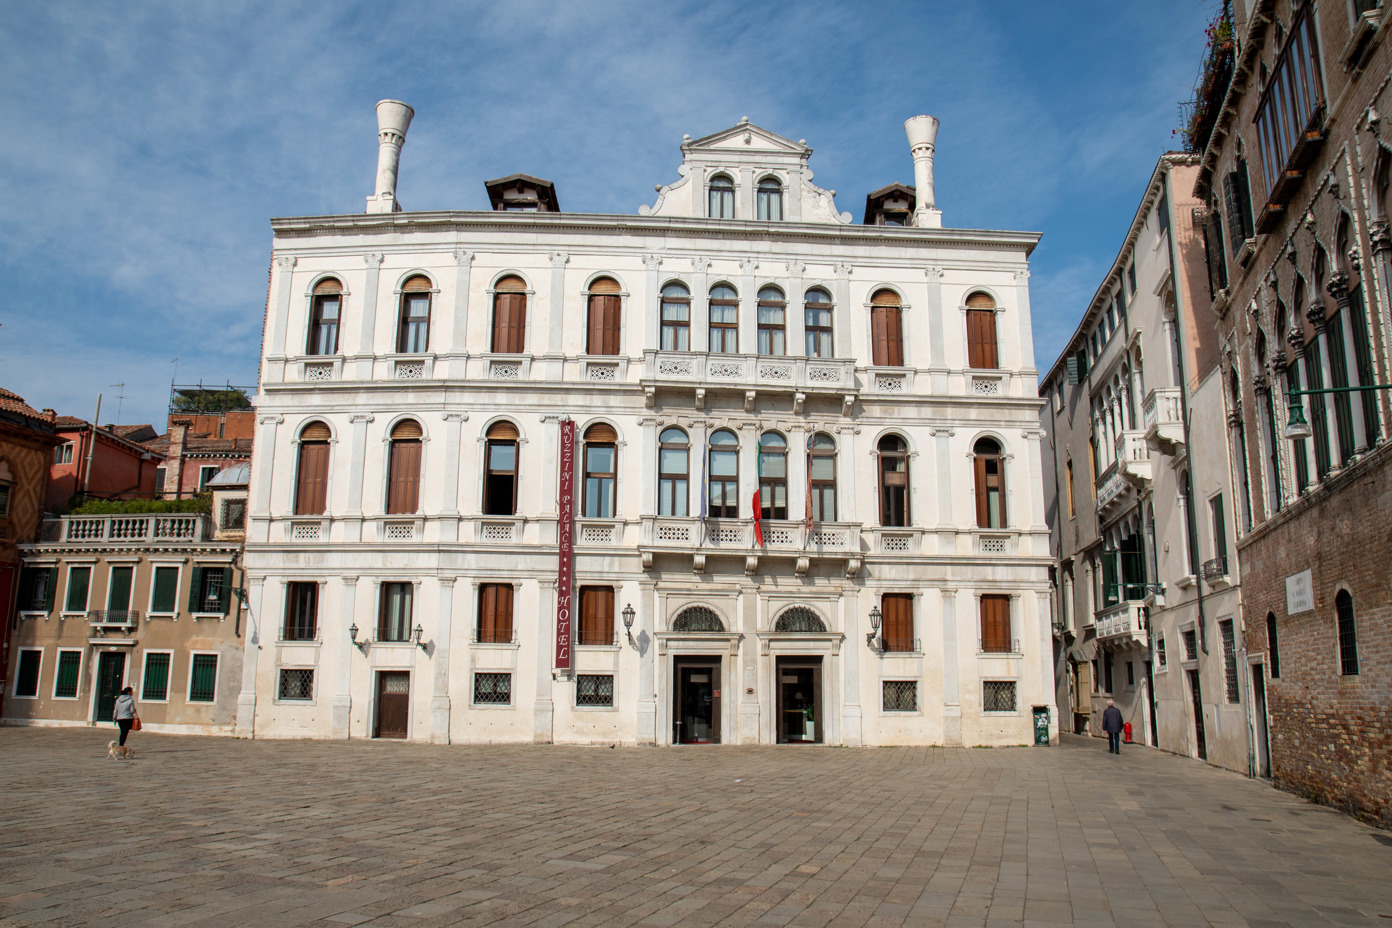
(127, 618)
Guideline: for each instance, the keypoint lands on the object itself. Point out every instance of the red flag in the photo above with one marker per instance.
(758, 507)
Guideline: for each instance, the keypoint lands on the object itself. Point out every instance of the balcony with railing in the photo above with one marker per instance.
(759, 373)
(1131, 468)
(677, 535)
(1122, 625)
(1290, 118)
(104, 619)
(1163, 414)
(146, 529)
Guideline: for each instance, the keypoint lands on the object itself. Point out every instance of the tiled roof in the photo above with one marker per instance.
(71, 422)
(13, 402)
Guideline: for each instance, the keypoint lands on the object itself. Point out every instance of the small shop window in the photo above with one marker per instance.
(901, 695)
(297, 684)
(998, 696)
(594, 689)
(493, 689)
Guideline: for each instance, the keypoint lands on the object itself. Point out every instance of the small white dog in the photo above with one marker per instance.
(117, 751)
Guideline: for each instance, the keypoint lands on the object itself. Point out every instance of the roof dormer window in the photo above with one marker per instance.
(722, 197)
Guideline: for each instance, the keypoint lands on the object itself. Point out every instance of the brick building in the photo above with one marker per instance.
(1295, 174)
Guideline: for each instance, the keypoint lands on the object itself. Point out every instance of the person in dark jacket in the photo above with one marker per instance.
(1111, 724)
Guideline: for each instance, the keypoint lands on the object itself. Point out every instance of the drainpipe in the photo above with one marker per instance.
(1191, 522)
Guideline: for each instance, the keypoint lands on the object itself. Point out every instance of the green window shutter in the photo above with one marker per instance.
(166, 591)
(79, 579)
(1072, 364)
(226, 590)
(195, 590)
(68, 664)
(156, 684)
(52, 588)
(202, 688)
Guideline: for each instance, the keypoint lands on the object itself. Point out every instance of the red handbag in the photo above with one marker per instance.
(135, 726)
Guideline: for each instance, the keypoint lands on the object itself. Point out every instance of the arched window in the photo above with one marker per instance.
(403, 480)
(697, 619)
(602, 333)
(724, 319)
(990, 484)
(495, 613)
(1348, 634)
(822, 473)
(981, 332)
(510, 316)
(724, 475)
(800, 620)
(772, 310)
(886, 329)
(894, 481)
(773, 476)
(500, 470)
(413, 330)
(722, 197)
(770, 197)
(312, 477)
(817, 323)
(672, 469)
(601, 461)
(676, 318)
(324, 316)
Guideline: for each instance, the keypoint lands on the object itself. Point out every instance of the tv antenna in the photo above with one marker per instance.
(120, 398)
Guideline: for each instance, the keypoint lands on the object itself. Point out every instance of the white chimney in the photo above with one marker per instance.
(393, 119)
(923, 134)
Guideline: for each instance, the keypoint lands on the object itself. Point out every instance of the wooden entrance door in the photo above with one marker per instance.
(393, 703)
(111, 676)
(799, 689)
(696, 700)
(1197, 697)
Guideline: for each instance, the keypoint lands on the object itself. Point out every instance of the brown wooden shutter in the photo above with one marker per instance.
(610, 341)
(995, 623)
(312, 493)
(895, 336)
(316, 431)
(596, 615)
(601, 432)
(416, 284)
(403, 481)
(983, 510)
(510, 316)
(495, 612)
(407, 430)
(503, 431)
(981, 339)
(327, 285)
(897, 627)
(886, 330)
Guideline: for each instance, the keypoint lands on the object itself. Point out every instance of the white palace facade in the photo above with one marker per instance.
(874, 383)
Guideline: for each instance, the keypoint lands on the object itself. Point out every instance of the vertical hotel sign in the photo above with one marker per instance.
(565, 544)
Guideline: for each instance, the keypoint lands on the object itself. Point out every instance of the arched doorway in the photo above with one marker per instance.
(799, 715)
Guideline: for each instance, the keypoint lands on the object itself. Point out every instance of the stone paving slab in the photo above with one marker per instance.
(219, 832)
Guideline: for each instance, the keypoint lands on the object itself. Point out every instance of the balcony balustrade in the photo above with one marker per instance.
(702, 371)
(113, 618)
(1122, 625)
(128, 529)
(1164, 423)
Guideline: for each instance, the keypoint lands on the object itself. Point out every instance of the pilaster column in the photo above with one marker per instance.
(648, 454)
(851, 654)
(543, 709)
(747, 618)
(794, 316)
(284, 267)
(337, 642)
(947, 519)
(440, 656)
(748, 326)
(1025, 502)
(700, 304)
(263, 475)
(366, 347)
(842, 312)
(951, 658)
(1025, 339)
(352, 519)
(449, 511)
(555, 342)
(645, 635)
(246, 702)
(652, 303)
(937, 340)
(457, 341)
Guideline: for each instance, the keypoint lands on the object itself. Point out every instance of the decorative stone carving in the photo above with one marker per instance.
(559, 259)
(934, 274)
(1022, 276)
(652, 262)
(372, 259)
(286, 262)
(463, 257)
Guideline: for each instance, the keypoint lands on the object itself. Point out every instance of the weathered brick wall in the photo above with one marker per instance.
(1331, 735)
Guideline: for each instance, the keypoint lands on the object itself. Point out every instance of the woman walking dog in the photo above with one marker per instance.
(124, 713)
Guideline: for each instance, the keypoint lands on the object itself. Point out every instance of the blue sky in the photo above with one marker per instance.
(146, 144)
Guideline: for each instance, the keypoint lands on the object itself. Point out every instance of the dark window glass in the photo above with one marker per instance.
(296, 684)
(990, 484)
(203, 679)
(722, 198)
(773, 476)
(600, 468)
(27, 677)
(493, 689)
(1225, 631)
(69, 664)
(593, 689)
(672, 457)
(301, 612)
(414, 326)
(676, 318)
(822, 472)
(900, 696)
(724, 319)
(155, 684)
(770, 199)
(723, 493)
(394, 616)
(79, 580)
(817, 324)
(1348, 634)
(323, 324)
(772, 310)
(1273, 645)
(894, 481)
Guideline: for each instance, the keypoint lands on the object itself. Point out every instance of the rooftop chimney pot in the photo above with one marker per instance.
(393, 119)
(923, 136)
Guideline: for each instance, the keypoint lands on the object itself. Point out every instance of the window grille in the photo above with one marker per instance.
(1191, 644)
(69, 662)
(203, 680)
(998, 695)
(493, 689)
(297, 684)
(1225, 629)
(156, 685)
(234, 514)
(1348, 635)
(800, 619)
(592, 689)
(900, 695)
(697, 619)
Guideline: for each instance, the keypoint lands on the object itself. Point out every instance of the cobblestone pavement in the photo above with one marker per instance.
(218, 832)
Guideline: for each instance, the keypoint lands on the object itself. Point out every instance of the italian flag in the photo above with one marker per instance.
(758, 506)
